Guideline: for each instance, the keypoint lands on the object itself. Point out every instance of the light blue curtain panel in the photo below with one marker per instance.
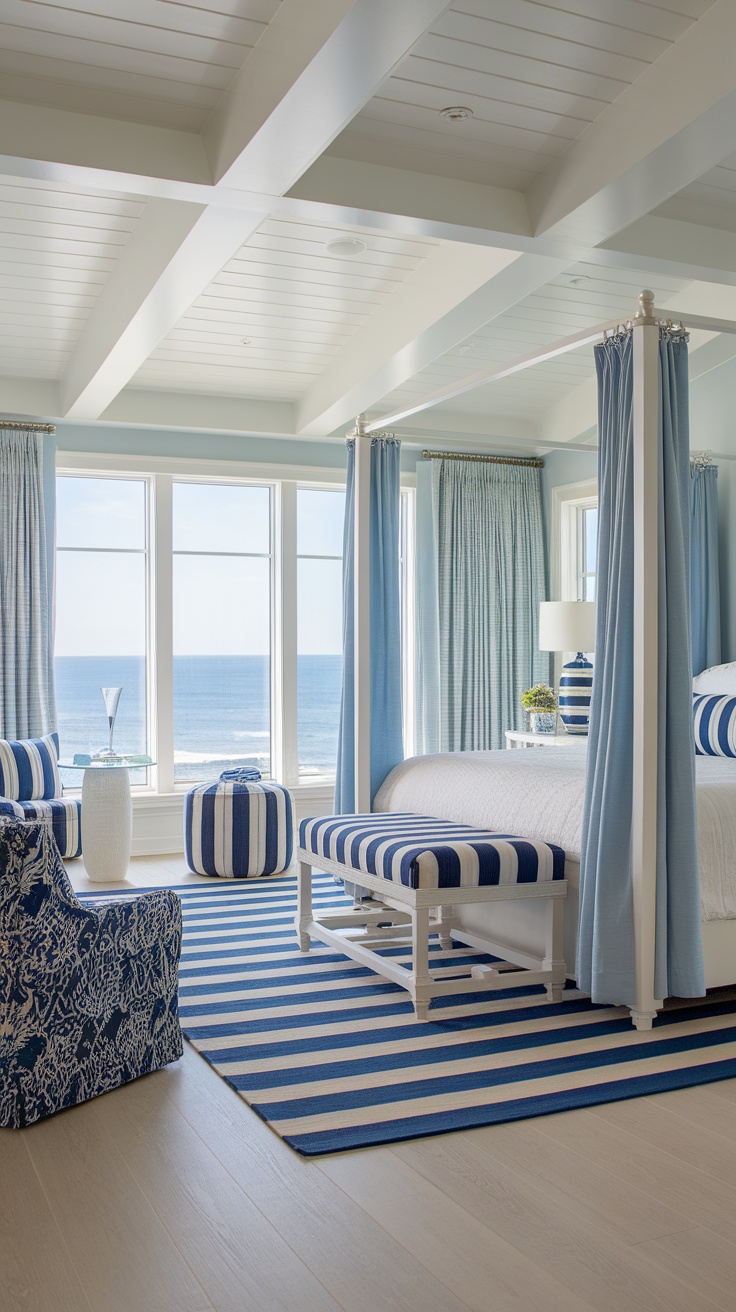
(491, 579)
(387, 747)
(27, 701)
(705, 588)
(605, 964)
(427, 610)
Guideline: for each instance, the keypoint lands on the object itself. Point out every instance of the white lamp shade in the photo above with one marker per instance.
(567, 626)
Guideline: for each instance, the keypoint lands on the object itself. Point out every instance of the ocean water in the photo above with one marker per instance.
(221, 711)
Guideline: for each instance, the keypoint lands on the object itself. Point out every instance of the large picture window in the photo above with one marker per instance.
(216, 604)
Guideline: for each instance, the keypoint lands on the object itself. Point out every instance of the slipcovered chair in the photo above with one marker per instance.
(88, 995)
(30, 789)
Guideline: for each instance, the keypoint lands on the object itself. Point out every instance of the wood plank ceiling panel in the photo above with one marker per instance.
(532, 74)
(293, 301)
(153, 61)
(57, 249)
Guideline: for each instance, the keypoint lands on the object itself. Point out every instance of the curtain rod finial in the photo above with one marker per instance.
(645, 311)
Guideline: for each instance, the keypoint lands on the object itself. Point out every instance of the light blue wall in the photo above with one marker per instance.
(119, 440)
(562, 467)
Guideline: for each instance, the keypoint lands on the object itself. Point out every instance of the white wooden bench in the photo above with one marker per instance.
(417, 870)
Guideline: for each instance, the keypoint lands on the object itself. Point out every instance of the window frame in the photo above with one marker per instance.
(160, 474)
(128, 476)
(567, 500)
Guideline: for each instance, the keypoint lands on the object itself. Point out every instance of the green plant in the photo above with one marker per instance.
(539, 698)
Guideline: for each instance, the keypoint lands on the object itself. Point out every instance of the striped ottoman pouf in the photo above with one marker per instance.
(238, 827)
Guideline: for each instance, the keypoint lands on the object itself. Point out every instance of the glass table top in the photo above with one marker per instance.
(117, 762)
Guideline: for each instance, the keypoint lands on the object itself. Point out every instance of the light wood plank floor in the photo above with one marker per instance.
(170, 1195)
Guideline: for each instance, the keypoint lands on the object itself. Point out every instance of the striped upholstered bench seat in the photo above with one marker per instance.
(417, 870)
(421, 852)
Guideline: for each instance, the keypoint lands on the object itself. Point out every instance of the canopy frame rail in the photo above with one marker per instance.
(562, 346)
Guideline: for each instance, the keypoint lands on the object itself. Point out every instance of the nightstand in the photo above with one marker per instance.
(518, 738)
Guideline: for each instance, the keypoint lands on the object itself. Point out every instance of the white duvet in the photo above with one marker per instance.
(539, 794)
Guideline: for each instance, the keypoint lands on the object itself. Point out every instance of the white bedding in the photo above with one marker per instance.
(538, 793)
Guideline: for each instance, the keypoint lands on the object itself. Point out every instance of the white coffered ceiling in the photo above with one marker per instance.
(178, 182)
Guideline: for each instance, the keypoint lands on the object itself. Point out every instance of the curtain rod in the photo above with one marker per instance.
(26, 427)
(532, 462)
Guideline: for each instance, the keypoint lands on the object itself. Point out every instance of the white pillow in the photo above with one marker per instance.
(719, 678)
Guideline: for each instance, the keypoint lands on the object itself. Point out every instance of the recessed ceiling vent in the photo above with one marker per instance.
(345, 248)
(456, 113)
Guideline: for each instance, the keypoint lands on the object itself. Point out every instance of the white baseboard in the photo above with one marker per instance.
(158, 819)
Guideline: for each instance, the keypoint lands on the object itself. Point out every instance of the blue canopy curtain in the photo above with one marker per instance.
(385, 626)
(27, 700)
(705, 590)
(605, 964)
(490, 561)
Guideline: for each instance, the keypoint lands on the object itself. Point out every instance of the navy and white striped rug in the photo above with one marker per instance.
(332, 1057)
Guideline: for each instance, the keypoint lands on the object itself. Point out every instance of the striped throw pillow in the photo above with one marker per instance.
(28, 769)
(714, 724)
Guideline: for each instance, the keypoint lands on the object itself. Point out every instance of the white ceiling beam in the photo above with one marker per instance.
(29, 398)
(422, 203)
(200, 412)
(61, 145)
(69, 149)
(452, 293)
(676, 248)
(313, 69)
(677, 120)
(173, 252)
(462, 426)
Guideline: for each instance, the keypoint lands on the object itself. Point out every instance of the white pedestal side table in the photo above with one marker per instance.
(107, 815)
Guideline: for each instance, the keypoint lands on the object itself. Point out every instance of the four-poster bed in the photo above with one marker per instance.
(646, 844)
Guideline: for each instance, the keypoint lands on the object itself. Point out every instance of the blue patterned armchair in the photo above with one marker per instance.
(88, 996)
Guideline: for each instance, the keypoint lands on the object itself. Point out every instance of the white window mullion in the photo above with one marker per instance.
(285, 766)
(162, 636)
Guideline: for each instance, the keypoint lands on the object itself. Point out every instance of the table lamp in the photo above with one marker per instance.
(570, 626)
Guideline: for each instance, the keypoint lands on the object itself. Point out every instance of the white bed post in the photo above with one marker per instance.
(362, 616)
(646, 655)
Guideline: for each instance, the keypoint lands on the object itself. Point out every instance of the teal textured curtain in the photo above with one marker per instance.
(605, 964)
(705, 589)
(27, 699)
(491, 579)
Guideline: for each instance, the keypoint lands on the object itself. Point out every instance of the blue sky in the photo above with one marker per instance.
(221, 603)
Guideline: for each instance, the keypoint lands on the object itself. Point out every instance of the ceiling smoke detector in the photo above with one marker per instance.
(581, 281)
(345, 247)
(456, 113)
(246, 341)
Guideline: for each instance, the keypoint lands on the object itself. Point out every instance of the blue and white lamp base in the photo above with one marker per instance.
(576, 686)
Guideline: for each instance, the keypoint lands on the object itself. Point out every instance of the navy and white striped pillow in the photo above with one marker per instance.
(714, 724)
(29, 770)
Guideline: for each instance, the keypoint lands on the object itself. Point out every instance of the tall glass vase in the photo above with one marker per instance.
(110, 697)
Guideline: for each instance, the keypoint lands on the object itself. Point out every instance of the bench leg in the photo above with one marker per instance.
(446, 921)
(554, 959)
(421, 978)
(304, 905)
